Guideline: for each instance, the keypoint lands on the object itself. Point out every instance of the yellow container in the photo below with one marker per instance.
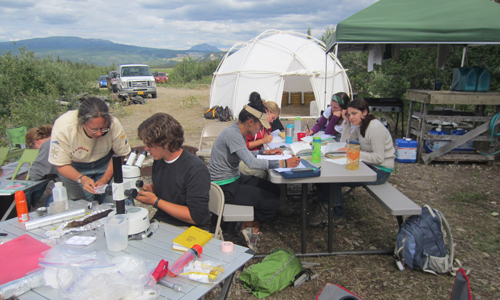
(353, 153)
(296, 98)
(308, 97)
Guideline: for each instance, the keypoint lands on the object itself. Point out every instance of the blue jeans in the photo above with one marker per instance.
(34, 194)
(339, 210)
(94, 170)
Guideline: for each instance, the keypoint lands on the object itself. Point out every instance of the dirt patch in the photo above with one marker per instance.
(467, 194)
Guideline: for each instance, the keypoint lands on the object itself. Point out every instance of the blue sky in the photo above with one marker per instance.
(169, 24)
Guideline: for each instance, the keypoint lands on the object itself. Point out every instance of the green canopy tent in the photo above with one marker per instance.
(419, 23)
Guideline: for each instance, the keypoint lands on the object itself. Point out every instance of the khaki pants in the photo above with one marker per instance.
(245, 170)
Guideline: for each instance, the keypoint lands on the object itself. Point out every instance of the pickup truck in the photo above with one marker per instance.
(136, 79)
(161, 77)
(112, 81)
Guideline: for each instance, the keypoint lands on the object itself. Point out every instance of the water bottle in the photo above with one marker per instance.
(289, 133)
(21, 206)
(316, 153)
(353, 152)
(60, 193)
(185, 258)
(298, 125)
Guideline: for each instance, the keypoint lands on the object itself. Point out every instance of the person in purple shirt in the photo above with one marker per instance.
(332, 117)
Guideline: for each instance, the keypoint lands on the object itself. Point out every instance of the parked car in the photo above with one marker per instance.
(135, 80)
(103, 81)
(112, 84)
(161, 77)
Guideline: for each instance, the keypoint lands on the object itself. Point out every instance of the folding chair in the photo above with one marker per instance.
(3, 154)
(29, 156)
(216, 206)
(16, 136)
(212, 130)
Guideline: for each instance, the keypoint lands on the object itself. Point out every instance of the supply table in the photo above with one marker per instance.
(332, 173)
(427, 97)
(155, 248)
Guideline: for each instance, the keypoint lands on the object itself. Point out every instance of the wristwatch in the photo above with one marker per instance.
(80, 179)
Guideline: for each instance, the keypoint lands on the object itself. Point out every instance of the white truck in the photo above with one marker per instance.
(136, 79)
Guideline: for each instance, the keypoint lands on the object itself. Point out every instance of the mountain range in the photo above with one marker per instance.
(105, 53)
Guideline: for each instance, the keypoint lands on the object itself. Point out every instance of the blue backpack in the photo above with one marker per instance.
(424, 242)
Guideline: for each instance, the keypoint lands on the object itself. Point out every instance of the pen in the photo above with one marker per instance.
(307, 125)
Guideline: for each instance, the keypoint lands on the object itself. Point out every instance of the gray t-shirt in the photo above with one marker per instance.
(41, 168)
(228, 150)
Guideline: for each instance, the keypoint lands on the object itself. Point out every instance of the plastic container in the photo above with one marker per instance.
(433, 145)
(467, 146)
(406, 150)
(116, 231)
(298, 125)
(185, 258)
(316, 153)
(289, 133)
(353, 153)
(483, 80)
(464, 79)
(21, 206)
(60, 193)
(57, 207)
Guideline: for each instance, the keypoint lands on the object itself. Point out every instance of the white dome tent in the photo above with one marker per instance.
(273, 63)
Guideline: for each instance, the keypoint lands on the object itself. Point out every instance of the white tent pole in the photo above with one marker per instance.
(463, 55)
(326, 79)
(334, 70)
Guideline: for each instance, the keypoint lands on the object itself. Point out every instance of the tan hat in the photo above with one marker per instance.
(259, 115)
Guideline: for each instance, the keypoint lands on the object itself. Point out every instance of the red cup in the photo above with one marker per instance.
(301, 135)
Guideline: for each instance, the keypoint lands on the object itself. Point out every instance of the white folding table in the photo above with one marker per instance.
(154, 248)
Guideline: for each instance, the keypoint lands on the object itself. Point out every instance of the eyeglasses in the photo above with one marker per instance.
(102, 130)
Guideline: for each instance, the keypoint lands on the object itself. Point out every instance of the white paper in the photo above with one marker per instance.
(300, 166)
(81, 240)
(307, 139)
(273, 157)
(277, 145)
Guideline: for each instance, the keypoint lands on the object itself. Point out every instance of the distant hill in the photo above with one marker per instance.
(103, 52)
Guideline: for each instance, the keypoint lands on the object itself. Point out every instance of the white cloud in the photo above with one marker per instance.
(175, 24)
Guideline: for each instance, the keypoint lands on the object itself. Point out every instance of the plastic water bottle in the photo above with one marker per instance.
(185, 258)
(298, 125)
(21, 206)
(316, 153)
(289, 133)
(60, 193)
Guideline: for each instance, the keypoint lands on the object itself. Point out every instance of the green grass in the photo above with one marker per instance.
(487, 241)
(472, 198)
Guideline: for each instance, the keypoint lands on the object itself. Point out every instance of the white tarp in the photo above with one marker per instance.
(273, 63)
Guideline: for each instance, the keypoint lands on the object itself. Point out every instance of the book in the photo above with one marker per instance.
(13, 187)
(301, 149)
(335, 149)
(192, 236)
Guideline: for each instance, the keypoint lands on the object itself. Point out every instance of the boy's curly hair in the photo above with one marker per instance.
(162, 130)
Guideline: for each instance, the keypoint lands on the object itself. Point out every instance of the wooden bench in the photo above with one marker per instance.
(395, 202)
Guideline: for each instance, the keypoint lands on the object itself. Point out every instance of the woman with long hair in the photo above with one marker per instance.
(228, 150)
(332, 117)
(377, 152)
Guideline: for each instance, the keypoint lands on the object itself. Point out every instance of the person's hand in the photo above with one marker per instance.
(268, 138)
(88, 184)
(148, 188)
(309, 132)
(145, 197)
(100, 182)
(344, 116)
(275, 151)
(337, 113)
(292, 162)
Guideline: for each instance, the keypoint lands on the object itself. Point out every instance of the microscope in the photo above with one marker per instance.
(125, 185)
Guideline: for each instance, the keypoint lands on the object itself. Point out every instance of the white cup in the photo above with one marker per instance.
(116, 231)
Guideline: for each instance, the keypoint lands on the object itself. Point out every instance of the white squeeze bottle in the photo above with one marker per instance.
(60, 193)
(298, 125)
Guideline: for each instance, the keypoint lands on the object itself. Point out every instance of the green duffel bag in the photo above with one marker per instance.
(274, 273)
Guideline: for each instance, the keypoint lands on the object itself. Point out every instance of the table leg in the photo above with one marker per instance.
(304, 217)
(226, 286)
(408, 126)
(335, 189)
